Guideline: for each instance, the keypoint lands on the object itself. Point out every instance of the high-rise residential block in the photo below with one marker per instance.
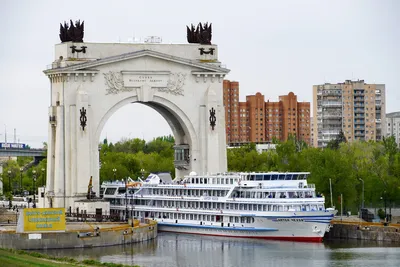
(354, 107)
(393, 126)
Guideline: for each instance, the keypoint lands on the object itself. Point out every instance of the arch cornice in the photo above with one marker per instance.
(213, 67)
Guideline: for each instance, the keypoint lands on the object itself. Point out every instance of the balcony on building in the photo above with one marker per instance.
(331, 123)
(332, 115)
(358, 92)
(331, 103)
(332, 93)
(330, 132)
(359, 133)
(359, 104)
(359, 122)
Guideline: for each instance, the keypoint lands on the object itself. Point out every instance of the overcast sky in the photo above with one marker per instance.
(271, 47)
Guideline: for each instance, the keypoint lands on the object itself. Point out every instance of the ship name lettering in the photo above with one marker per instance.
(289, 220)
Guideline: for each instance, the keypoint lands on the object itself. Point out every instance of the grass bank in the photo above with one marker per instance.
(20, 258)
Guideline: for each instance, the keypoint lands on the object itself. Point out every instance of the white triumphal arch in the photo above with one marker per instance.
(90, 81)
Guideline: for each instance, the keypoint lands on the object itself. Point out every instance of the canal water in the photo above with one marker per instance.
(170, 250)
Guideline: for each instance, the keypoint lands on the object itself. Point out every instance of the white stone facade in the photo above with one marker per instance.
(183, 82)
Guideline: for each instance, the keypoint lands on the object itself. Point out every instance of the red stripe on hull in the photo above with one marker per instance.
(280, 238)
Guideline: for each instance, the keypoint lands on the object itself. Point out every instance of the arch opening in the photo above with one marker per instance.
(185, 139)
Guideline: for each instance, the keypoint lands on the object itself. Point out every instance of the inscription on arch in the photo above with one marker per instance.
(126, 81)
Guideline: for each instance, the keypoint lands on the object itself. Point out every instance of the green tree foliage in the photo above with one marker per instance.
(345, 164)
(335, 143)
(129, 156)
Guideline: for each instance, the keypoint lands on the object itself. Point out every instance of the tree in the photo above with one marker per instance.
(335, 143)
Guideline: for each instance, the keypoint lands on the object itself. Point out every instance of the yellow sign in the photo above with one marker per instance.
(44, 220)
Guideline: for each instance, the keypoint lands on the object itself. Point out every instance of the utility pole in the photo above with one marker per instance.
(362, 203)
(126, 198)
(341, 207)
(330, 187)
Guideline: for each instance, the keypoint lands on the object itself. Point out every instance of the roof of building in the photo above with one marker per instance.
(393, 114)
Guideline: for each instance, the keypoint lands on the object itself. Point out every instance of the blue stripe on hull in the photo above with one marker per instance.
(217, 227)
(295, 216)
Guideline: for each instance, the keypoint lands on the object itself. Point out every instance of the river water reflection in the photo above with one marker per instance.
(170, 250)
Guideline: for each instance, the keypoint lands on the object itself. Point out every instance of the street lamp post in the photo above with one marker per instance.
(43, 175)
(20, 182)
(384, 201)
(142, 171)
(34, 188)
(115, 173)
(9, 181)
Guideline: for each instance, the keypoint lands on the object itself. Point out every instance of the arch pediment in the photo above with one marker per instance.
(197, 65)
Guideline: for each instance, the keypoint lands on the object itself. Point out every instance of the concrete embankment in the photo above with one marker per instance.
(79, 236)
(364, 231)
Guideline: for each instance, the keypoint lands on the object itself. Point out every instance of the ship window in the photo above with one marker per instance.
(267, 177)
(288, 177)
(281, 177)
(259, 177)
(274, 177)
(252, 177)
(294, 177)
(110, 191)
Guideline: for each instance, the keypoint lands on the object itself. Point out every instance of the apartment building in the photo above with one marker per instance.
(258, 121)
(393, 126)
(354, 107)
(231, 104)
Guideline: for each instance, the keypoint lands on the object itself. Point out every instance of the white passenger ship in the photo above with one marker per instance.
(281, 206)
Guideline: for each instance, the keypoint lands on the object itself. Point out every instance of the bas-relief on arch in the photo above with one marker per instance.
(181, 88)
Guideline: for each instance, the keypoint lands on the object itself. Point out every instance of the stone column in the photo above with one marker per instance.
(212, 135)
(203, 131)
(59, 168)
(50, 153)
(83, 156)
(73, 152)
(223, 164)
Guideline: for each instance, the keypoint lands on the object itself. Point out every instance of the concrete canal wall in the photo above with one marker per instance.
(123, 234)
(364, 231)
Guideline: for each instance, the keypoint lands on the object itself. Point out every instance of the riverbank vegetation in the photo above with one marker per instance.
(347, 165)
(11, 257)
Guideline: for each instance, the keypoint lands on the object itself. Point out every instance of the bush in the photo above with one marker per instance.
(381, 214)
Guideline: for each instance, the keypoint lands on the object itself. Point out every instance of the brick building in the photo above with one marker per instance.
(258, 121)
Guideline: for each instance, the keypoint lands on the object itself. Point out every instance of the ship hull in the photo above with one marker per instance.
(276, 230)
